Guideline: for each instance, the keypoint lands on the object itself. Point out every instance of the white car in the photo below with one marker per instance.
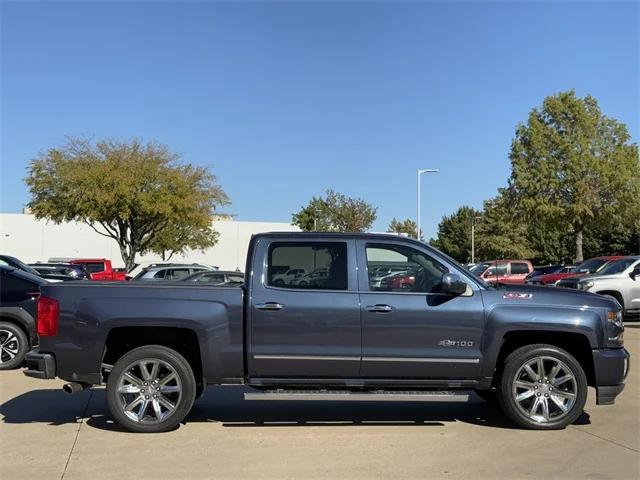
(286, 278)
(619, 280)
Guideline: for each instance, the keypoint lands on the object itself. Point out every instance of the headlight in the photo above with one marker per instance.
(615, 318)
(585, 285)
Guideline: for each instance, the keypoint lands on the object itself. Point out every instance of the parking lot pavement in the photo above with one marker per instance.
(47, 434)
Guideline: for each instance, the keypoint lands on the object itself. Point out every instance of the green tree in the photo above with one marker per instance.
(454, 234)
(335, 213)
(407, 226)
(574, 170)
(137, 194)
(500, 233)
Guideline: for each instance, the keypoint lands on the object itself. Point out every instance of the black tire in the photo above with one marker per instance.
(14, 342)
(514, 364)
(185, 380)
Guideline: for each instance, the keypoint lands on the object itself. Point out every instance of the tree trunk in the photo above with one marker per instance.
(579, 256)
(129, 258)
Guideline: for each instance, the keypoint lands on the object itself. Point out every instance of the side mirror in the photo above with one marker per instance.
(635, 273)
(452, 284)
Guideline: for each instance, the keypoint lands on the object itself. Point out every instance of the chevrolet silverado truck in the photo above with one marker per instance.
(341, 336)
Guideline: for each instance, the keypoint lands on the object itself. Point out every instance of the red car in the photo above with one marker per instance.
(503, 271)
(588, 267)
(100, 269)
(400, 281)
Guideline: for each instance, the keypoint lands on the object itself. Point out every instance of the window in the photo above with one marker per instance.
(211, 278)
(493, 271)
(519, 268)
(236, 278)
(321, 265)
(395, 268)
(93, 267)
(177, 274)
(159, 274)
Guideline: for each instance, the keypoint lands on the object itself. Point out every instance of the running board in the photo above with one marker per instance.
(357, 396)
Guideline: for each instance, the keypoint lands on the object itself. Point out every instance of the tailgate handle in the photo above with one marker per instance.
(379, 308)
(269, 306)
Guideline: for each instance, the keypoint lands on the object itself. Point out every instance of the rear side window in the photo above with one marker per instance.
(518, 268)
(93, 267)
(177, 274)
(325, 264)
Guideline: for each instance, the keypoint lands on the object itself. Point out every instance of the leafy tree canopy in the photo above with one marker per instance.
(454, 234)
(574, 169)
(136, 193)
(335, 213)
(406, 226)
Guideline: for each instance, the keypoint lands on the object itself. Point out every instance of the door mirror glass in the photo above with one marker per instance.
(452, 284)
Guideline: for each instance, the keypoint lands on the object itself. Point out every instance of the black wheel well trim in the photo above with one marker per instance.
(184, 340)
(575, 343)
(18, 322)
(618, 296)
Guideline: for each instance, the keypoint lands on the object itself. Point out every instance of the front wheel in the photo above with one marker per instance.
(542, 387)
(151, 389)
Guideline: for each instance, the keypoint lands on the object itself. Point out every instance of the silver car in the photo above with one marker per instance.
(620, 280)
(169, 272)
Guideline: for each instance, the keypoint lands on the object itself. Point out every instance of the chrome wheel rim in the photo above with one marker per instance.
(9, 346)
(149, 391)
(544, 389)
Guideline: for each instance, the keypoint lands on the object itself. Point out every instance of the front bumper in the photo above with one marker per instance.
(611, 367)
(40, 365)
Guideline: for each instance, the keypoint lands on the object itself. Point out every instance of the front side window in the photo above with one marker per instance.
(409, 270)
(500, 269)
(321, 265)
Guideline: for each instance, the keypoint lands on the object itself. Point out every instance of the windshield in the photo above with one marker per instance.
(592, 265)
(479, 268)
(618, 266)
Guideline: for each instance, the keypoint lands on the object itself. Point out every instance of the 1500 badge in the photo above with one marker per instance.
(455, 343)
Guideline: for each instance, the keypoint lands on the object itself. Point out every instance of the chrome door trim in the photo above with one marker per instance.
(421, 359)
(305, 357)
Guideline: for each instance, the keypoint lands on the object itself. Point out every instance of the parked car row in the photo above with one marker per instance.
(20, 288)
(614, 276)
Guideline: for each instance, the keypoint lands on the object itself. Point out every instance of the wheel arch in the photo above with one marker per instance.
(614, 293)
(123, 339)
(576, 344)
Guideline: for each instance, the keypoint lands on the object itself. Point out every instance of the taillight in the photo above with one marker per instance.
(47, 321)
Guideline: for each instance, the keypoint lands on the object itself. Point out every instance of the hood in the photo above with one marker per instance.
(541, 295)
(596, 277)
(552, 277)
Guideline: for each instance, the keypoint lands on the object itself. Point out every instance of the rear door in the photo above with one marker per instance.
(304, 329)
(412, 331)
(517, 272)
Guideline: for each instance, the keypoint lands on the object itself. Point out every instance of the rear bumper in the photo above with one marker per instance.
(611, 367)
(40, 365)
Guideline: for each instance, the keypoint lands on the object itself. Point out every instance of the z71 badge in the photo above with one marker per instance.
(455, 343)
(517, 296)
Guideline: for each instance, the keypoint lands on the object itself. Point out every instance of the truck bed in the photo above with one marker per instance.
(91, 311)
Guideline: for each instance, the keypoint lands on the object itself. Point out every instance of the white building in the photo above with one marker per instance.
(31, 240)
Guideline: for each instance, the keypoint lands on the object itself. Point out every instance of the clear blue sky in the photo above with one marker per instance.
(284, 100)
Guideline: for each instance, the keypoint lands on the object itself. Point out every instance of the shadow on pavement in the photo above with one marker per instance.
(226, 405)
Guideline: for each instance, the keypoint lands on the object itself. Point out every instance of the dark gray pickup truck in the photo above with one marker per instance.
(365, 317)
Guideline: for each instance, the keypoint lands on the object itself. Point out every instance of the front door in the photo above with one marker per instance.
(409, 330)
(306, 325)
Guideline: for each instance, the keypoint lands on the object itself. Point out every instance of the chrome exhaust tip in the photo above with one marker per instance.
(74, 387)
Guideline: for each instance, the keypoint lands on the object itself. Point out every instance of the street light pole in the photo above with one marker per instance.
(420, 172)
(473, 239)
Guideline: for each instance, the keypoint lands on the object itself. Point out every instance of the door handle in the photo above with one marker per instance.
(379, 308)
(269, 306)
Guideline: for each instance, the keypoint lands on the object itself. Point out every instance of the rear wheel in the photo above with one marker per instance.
(151, 389)
(13, 346)
(542, 387)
